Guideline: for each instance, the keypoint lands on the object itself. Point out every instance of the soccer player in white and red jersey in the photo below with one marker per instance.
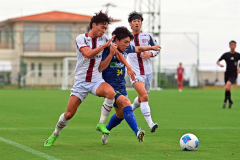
(142, 66)
(88, 79)
(180, 72)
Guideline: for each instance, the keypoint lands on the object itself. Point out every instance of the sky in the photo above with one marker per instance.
(217, 22)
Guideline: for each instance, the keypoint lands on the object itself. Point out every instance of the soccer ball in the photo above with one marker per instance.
(189, 142)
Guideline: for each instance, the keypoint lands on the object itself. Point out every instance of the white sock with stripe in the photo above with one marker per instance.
(62, 122)
(135, 104)
(146, 113)
(106, 109)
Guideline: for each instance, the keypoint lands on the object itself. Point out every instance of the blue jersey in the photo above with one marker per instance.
(115, 72)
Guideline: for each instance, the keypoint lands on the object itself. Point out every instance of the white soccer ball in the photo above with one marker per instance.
(189, 142)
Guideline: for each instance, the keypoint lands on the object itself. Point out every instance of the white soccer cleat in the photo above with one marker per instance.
(153, 127)
(180, 90)
(140, 135)
(105, 137)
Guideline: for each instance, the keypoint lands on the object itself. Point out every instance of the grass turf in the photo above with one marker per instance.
(28, 117)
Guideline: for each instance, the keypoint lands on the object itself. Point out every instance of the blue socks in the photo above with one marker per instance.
(114, 121)
(130, 118)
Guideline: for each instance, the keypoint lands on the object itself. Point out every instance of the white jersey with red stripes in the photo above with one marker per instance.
(87, 68)
(138, 64)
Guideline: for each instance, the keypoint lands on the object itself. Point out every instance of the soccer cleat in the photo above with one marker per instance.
(224, 105)
(50, 140)
(230, 105)
(102, 128)
(153, 127)
(105, 138)
(140, 135)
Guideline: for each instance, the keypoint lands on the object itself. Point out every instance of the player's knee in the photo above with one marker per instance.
(227, 87)
(126, 102)
(144, 97)
(110, 94)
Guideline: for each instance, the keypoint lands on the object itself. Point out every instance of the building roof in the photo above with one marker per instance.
(54, 16)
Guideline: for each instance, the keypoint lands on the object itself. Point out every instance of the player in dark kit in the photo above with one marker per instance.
(231, 59)
(113, 72)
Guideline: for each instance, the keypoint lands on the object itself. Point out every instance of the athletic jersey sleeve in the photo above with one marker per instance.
(130, 49)
(153, 42)
(105, 53)
(222, 57)
(81, 42)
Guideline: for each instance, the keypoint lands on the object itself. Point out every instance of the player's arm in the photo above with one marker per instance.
(146, 48)
(221, 58)
(87, 52)
(152, 42)
(130, 72)
(107, 59)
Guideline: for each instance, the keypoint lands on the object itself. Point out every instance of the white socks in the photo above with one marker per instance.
(135, 104)
(62, 122)
(146, 113)
(106, 109)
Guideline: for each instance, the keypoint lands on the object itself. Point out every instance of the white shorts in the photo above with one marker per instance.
(81, 89)
(146, 79)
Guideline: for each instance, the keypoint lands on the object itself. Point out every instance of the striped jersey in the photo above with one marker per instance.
(87, 68)
(138, 64)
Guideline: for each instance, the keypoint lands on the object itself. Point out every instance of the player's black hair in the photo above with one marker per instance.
(100, 18)
(232, 41)
(121, 33)
(134, 14)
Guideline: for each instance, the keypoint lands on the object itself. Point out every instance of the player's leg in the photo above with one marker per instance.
(115, 120)
(64, 118)
(180, 83)
(105, 90)
(226, 77)
(228, 90)
(124, 107)
(136, 102)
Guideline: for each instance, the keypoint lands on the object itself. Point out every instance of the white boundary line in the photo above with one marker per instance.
(28, 149)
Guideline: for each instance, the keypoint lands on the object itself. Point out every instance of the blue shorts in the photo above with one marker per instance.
(119, 90)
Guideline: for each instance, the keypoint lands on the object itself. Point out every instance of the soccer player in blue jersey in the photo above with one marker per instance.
(113, 71)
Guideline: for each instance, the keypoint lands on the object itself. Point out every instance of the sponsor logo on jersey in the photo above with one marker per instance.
(232, 58)
(100, 39)
(116, 65)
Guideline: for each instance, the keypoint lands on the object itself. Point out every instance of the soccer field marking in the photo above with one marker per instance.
(28, 149)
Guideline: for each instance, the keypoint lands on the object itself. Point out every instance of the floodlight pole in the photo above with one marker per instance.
(107, 6)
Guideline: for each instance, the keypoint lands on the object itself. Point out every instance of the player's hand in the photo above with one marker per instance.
(146, 55)
(113, 48)
(156, 48)
(221, 65)
(108, 42)
(131, 73)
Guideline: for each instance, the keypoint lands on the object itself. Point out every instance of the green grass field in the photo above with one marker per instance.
(28, 117)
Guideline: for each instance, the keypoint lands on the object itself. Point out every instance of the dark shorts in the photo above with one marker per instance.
(230, 77)
(119, 90)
